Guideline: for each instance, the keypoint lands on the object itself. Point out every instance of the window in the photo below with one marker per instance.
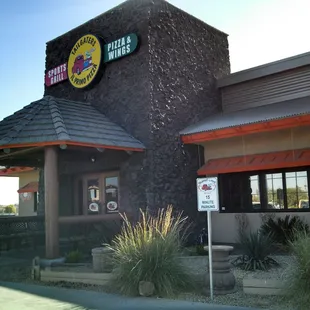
(278, 190)
(35, 201)
(97, 194)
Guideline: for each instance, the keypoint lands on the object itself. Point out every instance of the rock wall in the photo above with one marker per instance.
(167, 84)
(187, 56)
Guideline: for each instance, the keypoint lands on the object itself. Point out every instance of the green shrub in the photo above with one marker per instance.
(149, 251)
(256, 249)
(74, 257)
(297, 289)
(10, 209)
(284, 230)
(200, 250)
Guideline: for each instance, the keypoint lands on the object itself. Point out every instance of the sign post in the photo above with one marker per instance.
(208, 201)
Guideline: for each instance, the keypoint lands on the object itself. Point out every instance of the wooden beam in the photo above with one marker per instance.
(51, 201)
(22, 163)
(19, 152)
(89, 218)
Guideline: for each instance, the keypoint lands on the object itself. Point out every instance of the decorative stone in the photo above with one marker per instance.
(224, 281)
(146, 289)
(102, 259)
(45, 262)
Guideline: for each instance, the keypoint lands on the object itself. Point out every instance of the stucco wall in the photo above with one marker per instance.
(26, 208)
(288, 139)
(225, 226)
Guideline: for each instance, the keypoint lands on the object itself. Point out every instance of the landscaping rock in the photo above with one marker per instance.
(146, 289)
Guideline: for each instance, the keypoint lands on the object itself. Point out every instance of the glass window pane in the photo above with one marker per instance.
(111, 194)
(256, 201)
(275, 191)
(297, 190)
(93, 196)
(80, 197)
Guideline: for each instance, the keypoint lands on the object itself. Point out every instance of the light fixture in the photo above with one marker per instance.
(63, 146)
(101, 150)
(93, 159)
(7, 151)
(129, 152)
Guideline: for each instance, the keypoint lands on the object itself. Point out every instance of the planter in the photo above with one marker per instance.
(196, 266)
(102, 259)
(224, 281)
(75, 277)
(262, 286)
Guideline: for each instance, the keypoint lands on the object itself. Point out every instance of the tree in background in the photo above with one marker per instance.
(293, 195)
(10, 209)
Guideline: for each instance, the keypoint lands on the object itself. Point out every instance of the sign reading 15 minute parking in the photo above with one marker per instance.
(207, 194)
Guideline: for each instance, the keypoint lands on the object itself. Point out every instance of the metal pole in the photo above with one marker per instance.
(210, 254)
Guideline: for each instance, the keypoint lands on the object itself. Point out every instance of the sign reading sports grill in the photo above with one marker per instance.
(85, 59)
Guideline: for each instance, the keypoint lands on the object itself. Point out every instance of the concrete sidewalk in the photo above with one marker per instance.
(16, 296)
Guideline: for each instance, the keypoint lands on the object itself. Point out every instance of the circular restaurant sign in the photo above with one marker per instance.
(84, 61)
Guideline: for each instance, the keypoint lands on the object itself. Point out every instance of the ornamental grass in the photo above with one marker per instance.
(149, 251)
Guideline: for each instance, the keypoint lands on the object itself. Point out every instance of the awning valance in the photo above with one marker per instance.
(284, 159)
(31, 187)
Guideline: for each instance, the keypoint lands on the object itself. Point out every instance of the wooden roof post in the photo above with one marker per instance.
(51, 201)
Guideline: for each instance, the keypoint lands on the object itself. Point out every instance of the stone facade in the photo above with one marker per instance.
(166, 85)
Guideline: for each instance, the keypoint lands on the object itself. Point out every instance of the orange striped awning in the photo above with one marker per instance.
(31, 187)
(284, 159)
(14, 170)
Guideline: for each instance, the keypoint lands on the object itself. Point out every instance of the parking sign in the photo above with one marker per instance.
(207, 194)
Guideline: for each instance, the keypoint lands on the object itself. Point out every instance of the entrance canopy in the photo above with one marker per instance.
(275, 160)
(288, 114)
(31, 187)
(53, 121)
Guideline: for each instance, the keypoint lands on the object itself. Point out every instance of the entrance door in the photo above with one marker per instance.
(97, 194)
(94, 196)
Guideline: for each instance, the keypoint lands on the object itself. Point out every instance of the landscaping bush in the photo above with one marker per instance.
(149, 251)
(74, 257)
(256, 248)
(297, 291)
(284, 230)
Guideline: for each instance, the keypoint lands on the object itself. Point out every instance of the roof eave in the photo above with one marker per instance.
(265, 70)
(246, 129)
(75, 143)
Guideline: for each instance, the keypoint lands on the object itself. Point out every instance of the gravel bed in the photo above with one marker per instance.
(23, 274)
(281, 272)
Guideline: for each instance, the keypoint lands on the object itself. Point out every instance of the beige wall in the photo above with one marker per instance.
(224, 225)
(288, 139)
(26, 207)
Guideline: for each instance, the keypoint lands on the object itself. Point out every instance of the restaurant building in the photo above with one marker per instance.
(105, 136)
(28, 180)
(108, 135)
(258, 145)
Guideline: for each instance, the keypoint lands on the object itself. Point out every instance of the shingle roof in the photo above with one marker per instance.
(52, 119)
(260, 114)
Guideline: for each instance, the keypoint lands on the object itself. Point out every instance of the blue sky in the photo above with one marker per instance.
(259, 31)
